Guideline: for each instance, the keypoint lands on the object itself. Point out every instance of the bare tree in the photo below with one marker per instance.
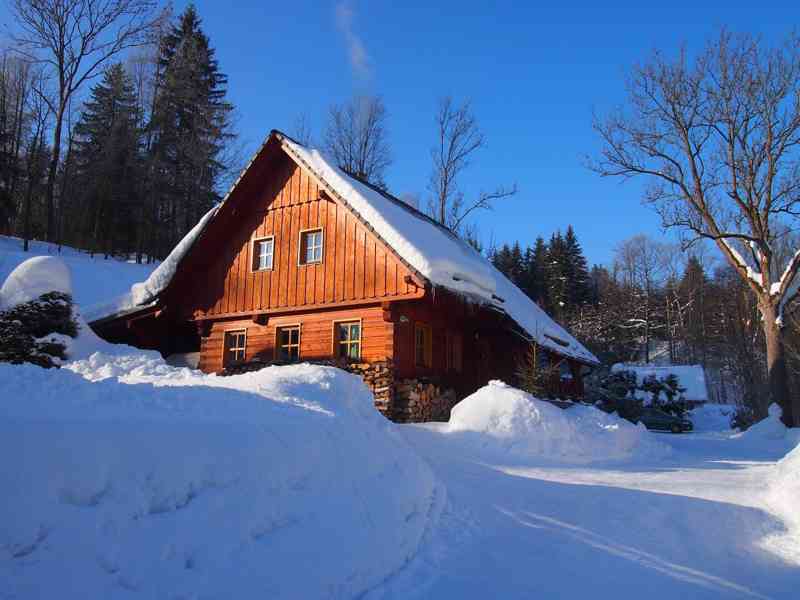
(74, 39)
(458, 138)
(356, 138)
(642, 265)
(718, 139)
(301, 130)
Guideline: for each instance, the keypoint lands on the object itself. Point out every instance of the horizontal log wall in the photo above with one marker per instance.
(316, 336)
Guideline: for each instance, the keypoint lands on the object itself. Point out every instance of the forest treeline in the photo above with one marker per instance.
(653, 303)
(143, 156)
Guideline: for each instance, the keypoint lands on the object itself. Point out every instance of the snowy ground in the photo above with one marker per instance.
(692, 525)
(123, 477)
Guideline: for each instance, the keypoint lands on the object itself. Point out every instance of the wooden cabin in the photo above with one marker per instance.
(302, 262)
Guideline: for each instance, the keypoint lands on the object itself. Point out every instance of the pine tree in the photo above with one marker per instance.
(578, 288)
(190, 126)
(108, 164)
(557, 273)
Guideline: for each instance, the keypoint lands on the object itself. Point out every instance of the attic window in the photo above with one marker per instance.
(263, 253)
(310, 247)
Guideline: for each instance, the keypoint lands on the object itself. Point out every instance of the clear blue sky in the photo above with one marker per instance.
(533, 71)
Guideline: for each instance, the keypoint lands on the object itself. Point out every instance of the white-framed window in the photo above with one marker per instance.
(310, 247)
(263, 253)
(235, 344)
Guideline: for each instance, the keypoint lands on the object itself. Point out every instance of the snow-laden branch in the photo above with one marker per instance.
(788, 286)
(752, 274)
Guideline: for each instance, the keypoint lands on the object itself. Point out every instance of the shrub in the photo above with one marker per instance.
(24, 330)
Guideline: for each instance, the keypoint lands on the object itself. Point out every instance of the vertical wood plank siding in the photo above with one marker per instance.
(356, 266)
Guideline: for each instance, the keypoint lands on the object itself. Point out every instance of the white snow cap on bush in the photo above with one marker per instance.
(34, 277)
(501, 419)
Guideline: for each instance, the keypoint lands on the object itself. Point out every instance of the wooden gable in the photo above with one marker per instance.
(280, 199)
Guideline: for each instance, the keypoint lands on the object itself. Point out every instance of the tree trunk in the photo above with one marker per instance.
(51, 174)
(777, 374)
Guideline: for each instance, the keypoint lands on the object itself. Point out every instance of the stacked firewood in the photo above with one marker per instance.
(418, 401)
(379, 377)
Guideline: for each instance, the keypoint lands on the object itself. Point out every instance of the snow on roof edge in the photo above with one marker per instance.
(457, 266)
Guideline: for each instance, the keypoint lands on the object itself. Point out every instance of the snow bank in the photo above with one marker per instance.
(34, 277)
(782, 498)
(771, 429)
(501, 419)
(122, 475)
(712, 417)
(691, 377)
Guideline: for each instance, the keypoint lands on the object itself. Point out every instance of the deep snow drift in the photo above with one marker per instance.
(508, 422)
(284, 483)
(783, 497)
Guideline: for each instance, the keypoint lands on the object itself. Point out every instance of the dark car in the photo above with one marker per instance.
(654, 418)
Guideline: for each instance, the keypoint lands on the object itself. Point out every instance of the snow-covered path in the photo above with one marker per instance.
(688, 526)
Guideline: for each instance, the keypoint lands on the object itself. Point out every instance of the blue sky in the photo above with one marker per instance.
(534, 73)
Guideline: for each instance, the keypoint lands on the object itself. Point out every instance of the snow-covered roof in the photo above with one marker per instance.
(437, 254)
(430, 249)
(691, 377)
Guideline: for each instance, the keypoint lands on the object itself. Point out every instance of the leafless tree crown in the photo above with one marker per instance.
(458, 138)
(357, 139)
(717, 138)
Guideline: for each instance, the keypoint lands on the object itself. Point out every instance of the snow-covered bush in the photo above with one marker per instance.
(505, 421)
(35, 331)
(36, 313)
(123, 476)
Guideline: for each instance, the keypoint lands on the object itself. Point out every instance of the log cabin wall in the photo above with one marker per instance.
(283, 201)
(316, 336)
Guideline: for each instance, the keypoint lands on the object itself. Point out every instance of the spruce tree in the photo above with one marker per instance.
(108, 164)
(190, 126)
(578, 286)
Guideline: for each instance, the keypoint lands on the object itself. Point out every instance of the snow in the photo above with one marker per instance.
(691, 377)
(124, 477)
(94, 280)
(712, 417)
(782, 497)
(440, 256)
(32, 278)
(752, 274)
(692, 524)
(145, 292)
(501, 420)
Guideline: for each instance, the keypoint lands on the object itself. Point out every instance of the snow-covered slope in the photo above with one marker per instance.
(94, 280)
(123, 477)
